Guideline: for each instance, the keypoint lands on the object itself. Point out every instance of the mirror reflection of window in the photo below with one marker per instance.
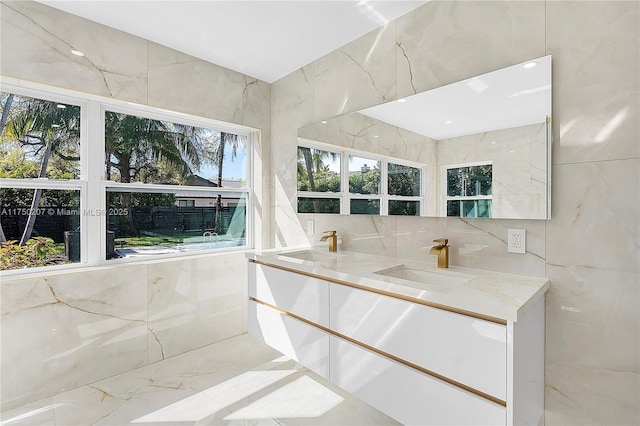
(318, 205)
(403, 180)
(404, 208)
(364, 206)
(318, 170)
(364, 175)
(318, 173)
(469, 191)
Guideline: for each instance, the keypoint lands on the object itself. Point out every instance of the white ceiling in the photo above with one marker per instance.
(511, 97)
(263, 39)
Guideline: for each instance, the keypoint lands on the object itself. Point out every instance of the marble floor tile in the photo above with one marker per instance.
(238, 381)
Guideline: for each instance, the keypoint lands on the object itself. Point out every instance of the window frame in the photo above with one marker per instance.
(345, 196)
(92, 184)
(445, 196)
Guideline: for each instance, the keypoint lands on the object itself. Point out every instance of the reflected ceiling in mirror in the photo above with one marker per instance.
(501, 119)
(511, 97)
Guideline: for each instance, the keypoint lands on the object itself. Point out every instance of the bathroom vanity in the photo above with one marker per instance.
(423, 345)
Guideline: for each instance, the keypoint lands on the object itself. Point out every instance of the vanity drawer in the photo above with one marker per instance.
(407, 395)
(467, 350)
(301, 295)
(306, 344)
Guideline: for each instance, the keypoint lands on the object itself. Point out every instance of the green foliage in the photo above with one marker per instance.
(141, 149)
(144, 241)
(318, 205)
(359, 206)
(404, 208)
(403, 180)
(365, 183)
(38, 251)
(32, 125)
(469, 181)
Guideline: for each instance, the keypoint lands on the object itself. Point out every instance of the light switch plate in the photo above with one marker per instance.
(517, 241)
(311, 229)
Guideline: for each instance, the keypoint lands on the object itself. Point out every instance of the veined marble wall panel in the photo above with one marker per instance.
(596, 222)
(592, 345)
(65, 330)
(357, 75)
(595, 47)
(363, 133)
(411, 146)
(291, 108)
(184, 83)
(194, 303)
(365, 234)
(447, 41)
(36, 45)
(593, 362)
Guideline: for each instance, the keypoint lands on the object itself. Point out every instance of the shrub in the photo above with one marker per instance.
(38, 251)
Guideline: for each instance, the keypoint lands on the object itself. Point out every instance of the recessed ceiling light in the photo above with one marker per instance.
(324, 121)
(512, 150)
(61, 106)
(448, 122)
(77, 53)
(493, 143)
(530, 64)
(402, 100)
(376, 136)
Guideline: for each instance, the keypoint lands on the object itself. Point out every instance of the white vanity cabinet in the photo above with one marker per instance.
(416, 362)
(299, 341)
(468, 350)
(407, 395)
(296, 294)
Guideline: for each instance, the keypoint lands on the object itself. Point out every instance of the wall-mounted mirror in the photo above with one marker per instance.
(483, 146)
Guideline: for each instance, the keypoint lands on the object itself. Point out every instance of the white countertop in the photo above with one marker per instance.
(486, 293)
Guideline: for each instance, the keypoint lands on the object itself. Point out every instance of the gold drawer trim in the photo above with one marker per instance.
(385, 354)
(388, 293)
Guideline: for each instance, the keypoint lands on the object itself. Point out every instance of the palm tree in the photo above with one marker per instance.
(313, 161)
(234, 142)
(147, 150)
(3, 121)
(136, 145)
(44, 128)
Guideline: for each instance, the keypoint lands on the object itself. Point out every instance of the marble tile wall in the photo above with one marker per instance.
(64, 330)
(590, 249)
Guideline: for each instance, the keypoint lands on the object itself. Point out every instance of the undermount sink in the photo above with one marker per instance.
(312, 256)
(424, 276)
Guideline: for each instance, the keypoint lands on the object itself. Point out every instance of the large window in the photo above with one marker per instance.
(145, 216)
(469, 190)
(352, 182)
(41, 188)
(84, 180)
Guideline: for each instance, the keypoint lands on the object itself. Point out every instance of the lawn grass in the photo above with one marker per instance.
(145, 241)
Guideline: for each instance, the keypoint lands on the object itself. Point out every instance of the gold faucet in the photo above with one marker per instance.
(442, 250)
(333, 240)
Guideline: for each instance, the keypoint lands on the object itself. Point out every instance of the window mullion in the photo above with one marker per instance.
(95, 223)
(384, 188)
(344, 183)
